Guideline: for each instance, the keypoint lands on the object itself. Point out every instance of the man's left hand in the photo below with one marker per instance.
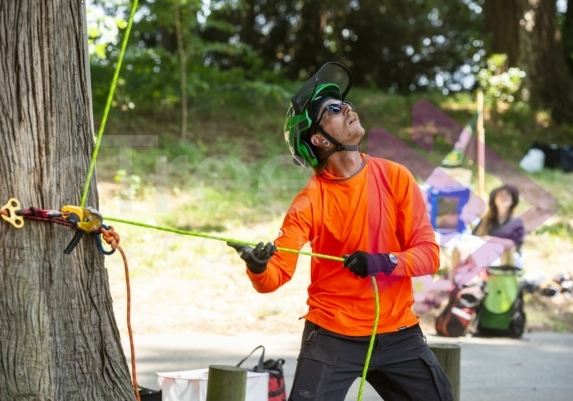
(364, 264)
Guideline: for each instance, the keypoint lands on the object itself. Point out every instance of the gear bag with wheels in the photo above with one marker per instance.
(274, 367)
(458, 315)
(502, 311)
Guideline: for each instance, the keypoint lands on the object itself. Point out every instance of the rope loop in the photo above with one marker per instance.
(110, 236)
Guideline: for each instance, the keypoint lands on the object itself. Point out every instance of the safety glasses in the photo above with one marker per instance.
(334, 108)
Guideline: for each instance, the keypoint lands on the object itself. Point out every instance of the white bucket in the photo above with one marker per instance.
(191, 385)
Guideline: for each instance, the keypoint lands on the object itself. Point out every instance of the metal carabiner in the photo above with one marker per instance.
(85, 219)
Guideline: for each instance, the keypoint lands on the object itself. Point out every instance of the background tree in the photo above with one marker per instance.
(58, 336)
(237, 48)
(567, 33)
(400, 46)
(528, 32)
(406, 46)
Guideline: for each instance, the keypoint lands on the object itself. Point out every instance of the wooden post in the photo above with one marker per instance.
(480, 146)
(449, 356)
(226, 383)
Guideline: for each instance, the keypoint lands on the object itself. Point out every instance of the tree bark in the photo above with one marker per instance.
(58, 335)
(548, 77)
(567, 34)
(502, 37)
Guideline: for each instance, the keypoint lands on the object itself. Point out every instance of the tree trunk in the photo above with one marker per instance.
(537, 49)
(58, 336)
(549, 81)
(567, 34)
(502, 36)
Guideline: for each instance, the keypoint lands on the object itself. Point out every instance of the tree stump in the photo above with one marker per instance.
(226, 383)
(449, 356)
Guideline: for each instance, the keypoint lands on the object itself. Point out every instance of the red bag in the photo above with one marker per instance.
(455, 318)
(274, 367)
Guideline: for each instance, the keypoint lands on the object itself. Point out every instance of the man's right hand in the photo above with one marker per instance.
(257, 258)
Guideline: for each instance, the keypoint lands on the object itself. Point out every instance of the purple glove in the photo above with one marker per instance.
(365, 264)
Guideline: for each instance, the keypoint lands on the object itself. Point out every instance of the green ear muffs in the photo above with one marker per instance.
(332, 80)
(295, 126)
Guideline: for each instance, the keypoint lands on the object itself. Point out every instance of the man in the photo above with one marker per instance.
(370, 212)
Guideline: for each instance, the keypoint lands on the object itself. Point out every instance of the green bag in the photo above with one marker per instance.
(502, 312)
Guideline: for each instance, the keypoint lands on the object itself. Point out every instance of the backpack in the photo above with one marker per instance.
(455, 319)
(502, 312)
(274, 367)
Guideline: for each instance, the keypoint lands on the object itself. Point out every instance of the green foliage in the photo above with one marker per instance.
(559, 185)
(103, 29)
(560, 229)
(151, 75)
(498, 82)
(414, 45)
(129, 184)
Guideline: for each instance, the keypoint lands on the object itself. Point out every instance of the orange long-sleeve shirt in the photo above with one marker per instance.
(380, 209)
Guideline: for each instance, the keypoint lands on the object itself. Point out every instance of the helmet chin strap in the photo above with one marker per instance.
(338, 147)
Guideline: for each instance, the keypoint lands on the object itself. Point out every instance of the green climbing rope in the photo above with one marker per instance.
(219, 238)
(197, 234)
(316, 255)
(108, 106)
(372, 338)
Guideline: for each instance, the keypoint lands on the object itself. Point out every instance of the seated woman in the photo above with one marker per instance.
(499, 220)
(470, 269)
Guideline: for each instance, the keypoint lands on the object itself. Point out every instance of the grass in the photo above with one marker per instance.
(234, 156)
(232, 174)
